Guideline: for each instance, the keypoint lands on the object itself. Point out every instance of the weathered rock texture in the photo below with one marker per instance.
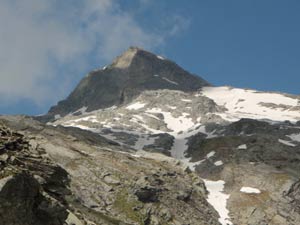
(49, 176)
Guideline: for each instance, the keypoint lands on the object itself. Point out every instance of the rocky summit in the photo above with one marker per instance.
(144, 142)
(128, 76)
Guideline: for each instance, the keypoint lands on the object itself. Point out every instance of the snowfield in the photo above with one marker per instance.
(244, 103)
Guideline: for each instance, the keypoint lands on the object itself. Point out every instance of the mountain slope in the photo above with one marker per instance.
(212, 138)
(244, 144)
(130, 74)
(246, 103)
(207, 131)
(180, 115)
(62, 176)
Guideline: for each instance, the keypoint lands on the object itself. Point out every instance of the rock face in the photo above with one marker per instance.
(32, 189)
(49, 175)
(294, 196)
(129, 75)
(23, 203)
(253, 154)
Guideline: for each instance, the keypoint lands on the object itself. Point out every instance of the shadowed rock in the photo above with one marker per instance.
(130, 74)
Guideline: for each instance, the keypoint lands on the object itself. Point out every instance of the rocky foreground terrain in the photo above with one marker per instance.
(68, 176)
(142, 141)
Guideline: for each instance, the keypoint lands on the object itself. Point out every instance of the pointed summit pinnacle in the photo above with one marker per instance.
(130, 74)
(124, 60)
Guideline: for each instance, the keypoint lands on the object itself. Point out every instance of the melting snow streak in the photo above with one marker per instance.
(218, 199)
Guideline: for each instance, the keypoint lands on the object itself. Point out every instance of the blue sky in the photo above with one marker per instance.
(47, 46)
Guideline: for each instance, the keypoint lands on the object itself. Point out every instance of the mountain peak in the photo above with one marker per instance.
(130, 74)
(125, 59)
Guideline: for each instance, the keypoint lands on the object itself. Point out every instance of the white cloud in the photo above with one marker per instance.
(179, 24)
(42, 42)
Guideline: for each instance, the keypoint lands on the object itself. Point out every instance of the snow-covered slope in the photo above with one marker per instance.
(233, 138)
(175, 113)
(182, 115)
(245, 103)
(165, 120)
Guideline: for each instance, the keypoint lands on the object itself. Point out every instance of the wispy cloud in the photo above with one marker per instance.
(44, 42)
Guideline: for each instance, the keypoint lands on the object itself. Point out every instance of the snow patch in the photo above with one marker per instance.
(186, 100)
(170, 81)
(110, 108)
(191, 165)
(171, 107)
(79, 126)
(92, 119)
(82, 110)
(288, 143)
(180, 142)
(242, 147)
(218, 163)
(218, 199)
(160, 57)
(57, 116)
(211, 154)
(136, 106)
(176, 124)
(152, 116)
(294, 137)
(250, 190)
(140, 118)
